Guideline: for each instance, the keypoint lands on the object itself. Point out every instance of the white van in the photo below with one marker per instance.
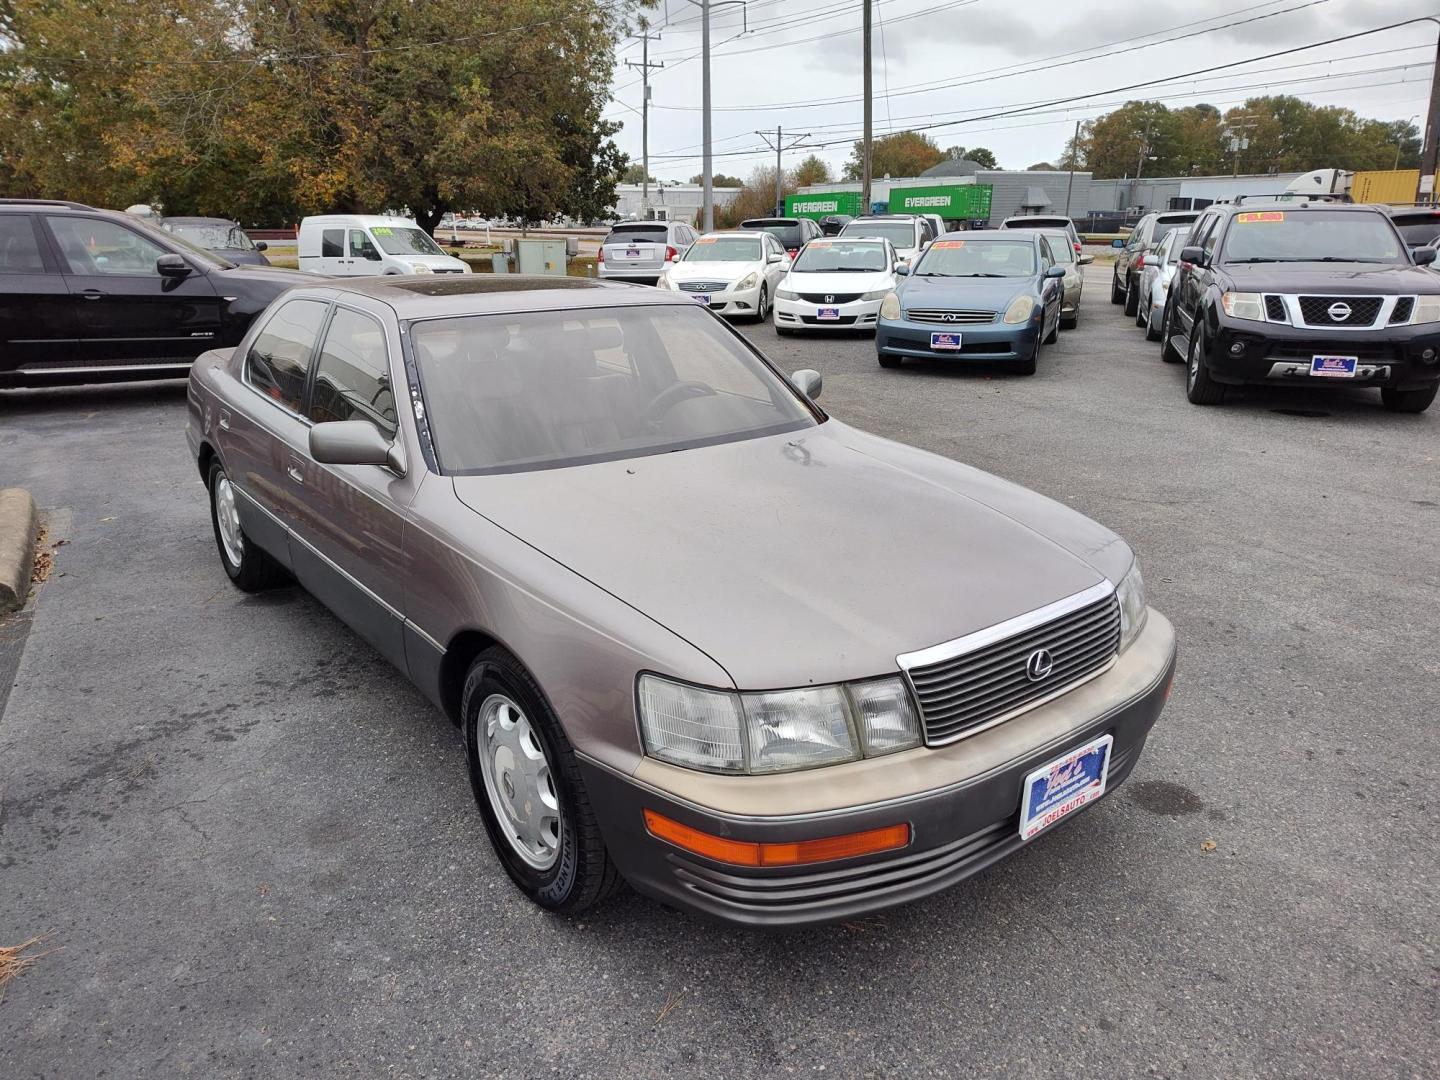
(361, 245)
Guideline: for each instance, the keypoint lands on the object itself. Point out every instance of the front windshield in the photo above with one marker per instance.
(538, 390)
(840, 257)
(404, 241)
(1311, 236)
(899, 233)
(1060, 247)
(724, 249)
(978, 258)
(224, 237)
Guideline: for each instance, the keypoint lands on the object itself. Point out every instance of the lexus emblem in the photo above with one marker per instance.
(1039, 665)
(1338, 312)
(829, 299)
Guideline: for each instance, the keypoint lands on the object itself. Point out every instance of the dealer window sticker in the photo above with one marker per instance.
(1260, 215)
(706, 240)
(382, 231)
(948, 244)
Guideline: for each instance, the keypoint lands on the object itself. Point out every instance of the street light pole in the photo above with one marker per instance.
(865, 153)
(707, 211)
(1074, 152)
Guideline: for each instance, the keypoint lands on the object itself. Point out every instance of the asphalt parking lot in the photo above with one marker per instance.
(255, 853)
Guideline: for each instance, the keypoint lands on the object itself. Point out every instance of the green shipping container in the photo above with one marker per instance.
(953, 202)
(823, 204)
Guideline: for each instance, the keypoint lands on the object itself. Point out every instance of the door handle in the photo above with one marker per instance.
(92, 294)
(294, 469)
(224, 420)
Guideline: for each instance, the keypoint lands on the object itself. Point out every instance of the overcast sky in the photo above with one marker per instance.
(802, 58)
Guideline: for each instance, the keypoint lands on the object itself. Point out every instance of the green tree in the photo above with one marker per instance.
(811, 171)
(635, 174)
(1042, 166)
(905, 153)
(718, 180)
(983, 157)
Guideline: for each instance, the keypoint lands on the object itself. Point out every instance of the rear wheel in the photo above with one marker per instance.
(1072, 322)
(251, 569)
(1199, 387)
(1168, 352)
(529, 791)
(1408, 401)
(1152, 332)
(1132, 295)
(1117, 294)
(1142, 310)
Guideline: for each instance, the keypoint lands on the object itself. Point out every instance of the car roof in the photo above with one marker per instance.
(1037, 217)
(198, 221)
(1000, 234)
(1277, 203)
(22, 205)
(426, 296)
(1408, 211)
(357, 219)
(1177, 215)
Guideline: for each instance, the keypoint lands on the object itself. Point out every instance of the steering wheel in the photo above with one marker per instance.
(672, 395)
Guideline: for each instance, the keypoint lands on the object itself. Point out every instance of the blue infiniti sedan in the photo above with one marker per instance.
(984, 296)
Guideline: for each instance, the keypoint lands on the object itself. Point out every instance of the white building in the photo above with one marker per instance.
(670, 202)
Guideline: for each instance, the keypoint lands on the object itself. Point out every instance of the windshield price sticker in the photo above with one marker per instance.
(818, 244)
(706, 240)
(1260, 215)
(382, 231)
(948, 244)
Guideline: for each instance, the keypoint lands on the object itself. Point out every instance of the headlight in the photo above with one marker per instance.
(775, 731)
(420, 268)
(785, 294)
(890, 307)
(878, 294)
(1019, 310)
(748, 282)
(1131, 593)
(1427, 309)
(1243, 305)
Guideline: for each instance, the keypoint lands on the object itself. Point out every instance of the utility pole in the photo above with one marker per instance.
(1074, 153)
(865, 156)
(1426, 190)
(1239, 142)
(707, 211)
(645, 67)
(779, 146)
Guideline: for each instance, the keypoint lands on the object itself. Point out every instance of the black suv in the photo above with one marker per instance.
(92, 295)
(793, 233)
(1304, 294)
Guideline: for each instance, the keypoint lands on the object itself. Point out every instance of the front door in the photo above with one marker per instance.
(365, 257)
(37, 314)
(127, 311)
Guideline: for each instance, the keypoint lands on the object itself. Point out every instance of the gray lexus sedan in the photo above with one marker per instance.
(698, 635)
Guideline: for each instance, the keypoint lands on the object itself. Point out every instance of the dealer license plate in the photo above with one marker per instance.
(1334, 367)
(945, 339)
(828, 314)
(702, 298)
(1065, 785)
(632, 253)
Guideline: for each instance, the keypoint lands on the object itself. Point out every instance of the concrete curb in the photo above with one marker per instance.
(18, 528)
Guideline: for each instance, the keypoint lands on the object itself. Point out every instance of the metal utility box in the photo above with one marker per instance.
(823, 204)
(540, 257)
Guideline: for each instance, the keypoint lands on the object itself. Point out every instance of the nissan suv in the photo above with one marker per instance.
(90, 296)
(1144, 238)
(1304, 294)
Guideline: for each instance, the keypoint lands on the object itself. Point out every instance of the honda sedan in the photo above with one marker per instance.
(555, 504)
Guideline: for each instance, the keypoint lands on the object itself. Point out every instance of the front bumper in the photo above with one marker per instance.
(803, 315)
(1280, 354)
(982, 342)
(961, 802)
(729, 301)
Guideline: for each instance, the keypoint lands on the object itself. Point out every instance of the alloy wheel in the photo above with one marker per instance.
(227, 515)
(519, 782)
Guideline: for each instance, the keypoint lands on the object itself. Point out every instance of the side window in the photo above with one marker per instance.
(1212, 235)
(1046, 256)
(96, 246)
(19, 249)
(361, 246)
(332, 244)
(279, 360)
(352, 374)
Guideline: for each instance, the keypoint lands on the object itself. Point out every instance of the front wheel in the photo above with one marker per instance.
(1117, 294)
(251, 569)
(1132, 296)
(764, 309)
(1029, 364)
(1054, 335)
(529, 791)
(1408, 401)
(1199, 387)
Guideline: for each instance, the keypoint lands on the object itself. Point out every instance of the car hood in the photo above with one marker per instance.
(991, 294)
(1332, 278)
(276, 276)
(713, 271)
(437, 262)
(790, 559)
(870, 281)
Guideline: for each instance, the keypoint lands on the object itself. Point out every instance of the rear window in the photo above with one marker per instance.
(899, 233)
(1164, 228)
(1038, 223)
(787, 232)
(1418, 229)
(630, 234)
(19, 250)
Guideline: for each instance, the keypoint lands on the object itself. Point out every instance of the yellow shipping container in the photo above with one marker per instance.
(1385, 186)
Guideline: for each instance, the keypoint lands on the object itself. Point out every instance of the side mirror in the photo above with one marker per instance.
(373, 254)
(1055, 272)
(172, 266)
(1117, 243)
(1193, 255)
(775, 258)
(261, 245)
(354, 442)
(1424, 256)
(808, 382)
(902, 269)
(1085, 260)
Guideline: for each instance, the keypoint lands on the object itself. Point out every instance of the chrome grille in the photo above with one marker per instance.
(830, 298)
(960, 693)
(1354, 310)
(703, 286)
(959, 318)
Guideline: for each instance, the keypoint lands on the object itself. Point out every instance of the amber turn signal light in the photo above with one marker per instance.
(799, 853)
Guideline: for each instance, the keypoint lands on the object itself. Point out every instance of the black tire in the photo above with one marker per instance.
(1408, 401)
(1168, 352)
(1027, 366)
(1117, 294)
(1072, 322)
(1200, 389)
(1151, 333)
(764, 304)
(1132, 295)
(1142, 309)
(583, 873)
(888, 361)
(1054, 335)
(256, 570)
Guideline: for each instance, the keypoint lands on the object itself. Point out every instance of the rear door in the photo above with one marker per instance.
(37, 312)
(1190, 280)
(334, 259)
(638, 249)
(127, 311)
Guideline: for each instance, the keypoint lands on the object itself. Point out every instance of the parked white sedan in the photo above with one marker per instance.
(836, 284)
(734, 273)
(1157, 269)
